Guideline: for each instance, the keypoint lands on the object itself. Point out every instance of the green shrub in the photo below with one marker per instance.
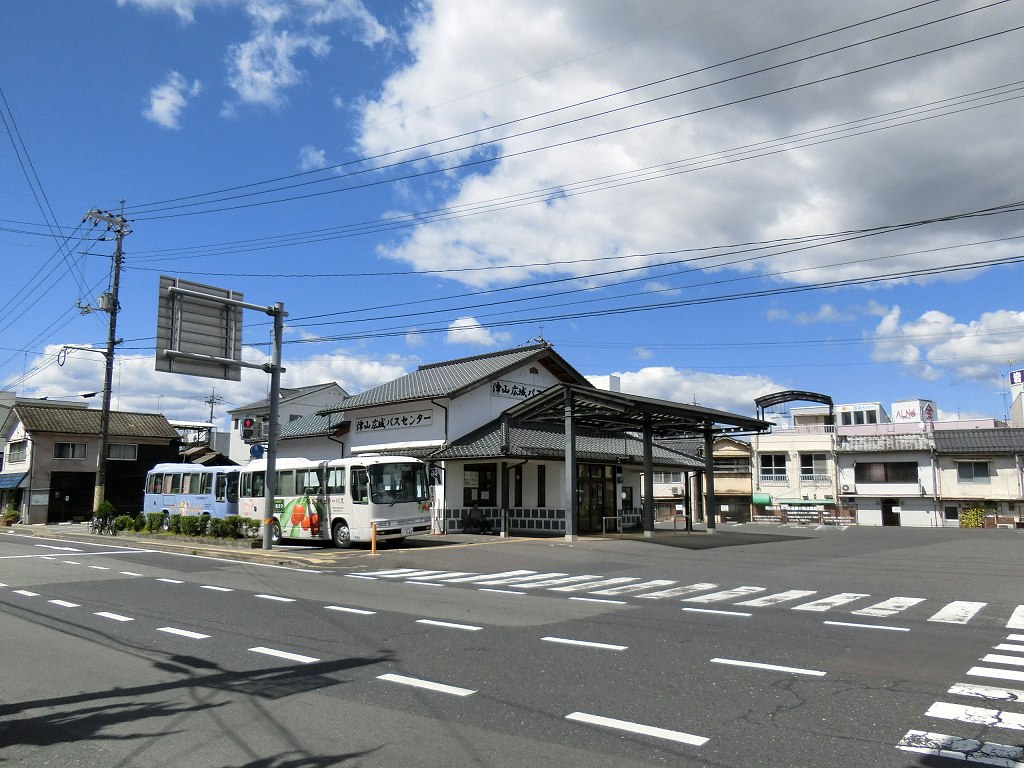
(250, 527)
(194, 525)
(139, 522)
(972, 518)
(106, 509)
(174, 524)
(124, 522)
(154, 521)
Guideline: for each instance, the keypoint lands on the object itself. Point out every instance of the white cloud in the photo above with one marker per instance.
(260, 69)
(466, 330)
(734, 394)
(184, 9)
(825, 313)
(642, 353)
(168, 100)
(352, 14)
(311, 158)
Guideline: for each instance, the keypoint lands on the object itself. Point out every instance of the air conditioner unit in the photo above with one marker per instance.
(675, 491)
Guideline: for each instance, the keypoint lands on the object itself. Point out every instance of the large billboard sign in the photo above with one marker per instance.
(199, 330)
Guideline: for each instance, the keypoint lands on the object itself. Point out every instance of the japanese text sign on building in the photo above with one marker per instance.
(394, 421)
(513, 389)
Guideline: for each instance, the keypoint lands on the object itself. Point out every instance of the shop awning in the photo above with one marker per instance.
(11, 481)
(761, 498)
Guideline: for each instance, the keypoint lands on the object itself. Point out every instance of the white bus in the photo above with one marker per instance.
(338, 499)
(191, 489)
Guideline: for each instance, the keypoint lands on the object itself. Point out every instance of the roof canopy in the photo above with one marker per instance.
(789, 396)
(616, 412)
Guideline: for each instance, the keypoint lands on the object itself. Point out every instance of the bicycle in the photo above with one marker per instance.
(102, 526)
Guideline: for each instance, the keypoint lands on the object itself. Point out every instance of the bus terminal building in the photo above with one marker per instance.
(512, 435)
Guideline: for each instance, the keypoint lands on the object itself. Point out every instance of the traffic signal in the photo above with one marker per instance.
(248, 427)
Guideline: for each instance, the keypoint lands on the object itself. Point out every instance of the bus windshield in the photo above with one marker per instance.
(400, 481)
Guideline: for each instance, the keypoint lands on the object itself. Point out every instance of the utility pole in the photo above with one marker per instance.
(118, 225)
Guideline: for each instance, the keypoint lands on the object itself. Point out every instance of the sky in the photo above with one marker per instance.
(711, 201)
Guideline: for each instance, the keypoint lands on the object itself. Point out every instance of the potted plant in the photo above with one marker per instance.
(11, 516)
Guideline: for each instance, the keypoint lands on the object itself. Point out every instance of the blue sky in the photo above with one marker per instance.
(709, 200)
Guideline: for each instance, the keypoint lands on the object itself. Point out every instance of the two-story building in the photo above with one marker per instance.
(981, 468)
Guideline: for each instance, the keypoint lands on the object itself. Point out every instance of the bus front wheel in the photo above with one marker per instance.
(341, 535)
(275, 533)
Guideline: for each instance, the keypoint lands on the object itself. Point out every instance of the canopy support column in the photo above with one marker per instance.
(709, 473)
(648, 513)
(571, 476)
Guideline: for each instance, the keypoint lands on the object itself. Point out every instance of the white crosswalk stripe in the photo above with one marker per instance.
(778, 597)
(1016, 619)
(521, 580)
(958, 612)
(556, 582)
(728, 594)
(482, 576)
(889, 607)
(988, 692)
(627, 588)
(587, 587)
(972, 750)
(995, 718)
(689, 589)
(828, 603)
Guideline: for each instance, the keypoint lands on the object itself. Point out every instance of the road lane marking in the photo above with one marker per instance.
(689, 589)
(182, 633)
(994, 718)
(966, 750)
(771, 667)
(71, 562)
(343, 609)
(1016, 618)
(361, 576)
(284, 655)
(62, 549)
(98, 567)
(827, 603)
(278, 598)
(483, 576)
(1016, 638)
(431, 686)
(627, 588)
(113, 616)
(129, 573)
(856, 625)
(449, 625)
(446, 575)
(523, 581)
(501, 591)
(728, 594)
(1008, 647)
(646, 730)
(65, 604)
(215, 589)
(598, 600)
(987, 692)
(585, 643)
(587, 587)
(998, 658)
(998, 674)
(958, 612)
(171, 581)
(778, 597)
(718, 612)
(565, 580)
(409, 575)
(47, 557)
(889, 607)
(416, 583)
(26, 593)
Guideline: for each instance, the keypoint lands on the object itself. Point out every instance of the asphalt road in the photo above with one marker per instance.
(751, 647)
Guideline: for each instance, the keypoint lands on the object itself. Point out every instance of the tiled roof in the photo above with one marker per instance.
(287, 393)
(313, 425)
(86, 421)
(1008, 440)
(451, 377)
(548, 441)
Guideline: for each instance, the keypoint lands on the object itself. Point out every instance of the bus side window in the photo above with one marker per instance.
(360, 486)
(232, 488)
(222, 487)
(175, 483)
(245, 485)
(309, 482)
(257, 485)
(336, 481)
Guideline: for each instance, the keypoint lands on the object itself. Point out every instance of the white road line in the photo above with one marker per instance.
(1, 583)
(958, 612)
(26, 593)
(361, 576)
(71, 562)
(997, 674)
(987, 692)
(114, 616)
(171, 581)
(129, 573)
(645, 730)
(449, 625)
(521, 581)
(997, 658)
(482, 576)
(771, 667)
(565, 580)
(720, 613)
(277, 598)
(501, 591)
(626, 589)
(416, 583)
(587, 587)
(1016, 638)
(855, 625)
(65, 604)
(215, 589)
(409, 575)
(98, 567)
(889, 607)
(416, 683)
(446, 575)
(585, 643)
(728, 594)
(994, 718)
(778, 597)
(1016, 619)
(62, 549)
(598, 600)
(47, 557)
(182, 633)
(392, 572)
(689, 589)
(343, 609)
(828, 603)
(1008, 647)
(284, 655)
(970, 751)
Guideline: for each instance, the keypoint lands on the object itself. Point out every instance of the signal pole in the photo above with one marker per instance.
(108, 303)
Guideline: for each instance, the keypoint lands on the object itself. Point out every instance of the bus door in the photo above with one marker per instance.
(309, 483)
(335, 496)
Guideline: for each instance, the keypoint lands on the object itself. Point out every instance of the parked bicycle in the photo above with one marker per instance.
(102, 525)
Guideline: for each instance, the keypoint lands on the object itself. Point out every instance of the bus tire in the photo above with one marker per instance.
(165, 524)
(341, 536)
(275, 533)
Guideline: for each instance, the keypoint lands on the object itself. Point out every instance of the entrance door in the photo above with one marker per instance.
(890, 511)
(71, 496)
(596, 486)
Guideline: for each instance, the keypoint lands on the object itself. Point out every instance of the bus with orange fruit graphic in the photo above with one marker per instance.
(339, 500)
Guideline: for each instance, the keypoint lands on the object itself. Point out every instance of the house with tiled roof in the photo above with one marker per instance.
(981, 468)
(296, 403)
(50, 458)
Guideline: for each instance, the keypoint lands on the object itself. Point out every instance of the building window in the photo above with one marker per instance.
(517, 486)
(480, 485)
(542, 481)
(951, 513)
(17, 452)
(972, 472)
(814, 466)
(732, 465)
(886, 472)
(773, 467)
(69, 450)
(123, 452)
(668, 477)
